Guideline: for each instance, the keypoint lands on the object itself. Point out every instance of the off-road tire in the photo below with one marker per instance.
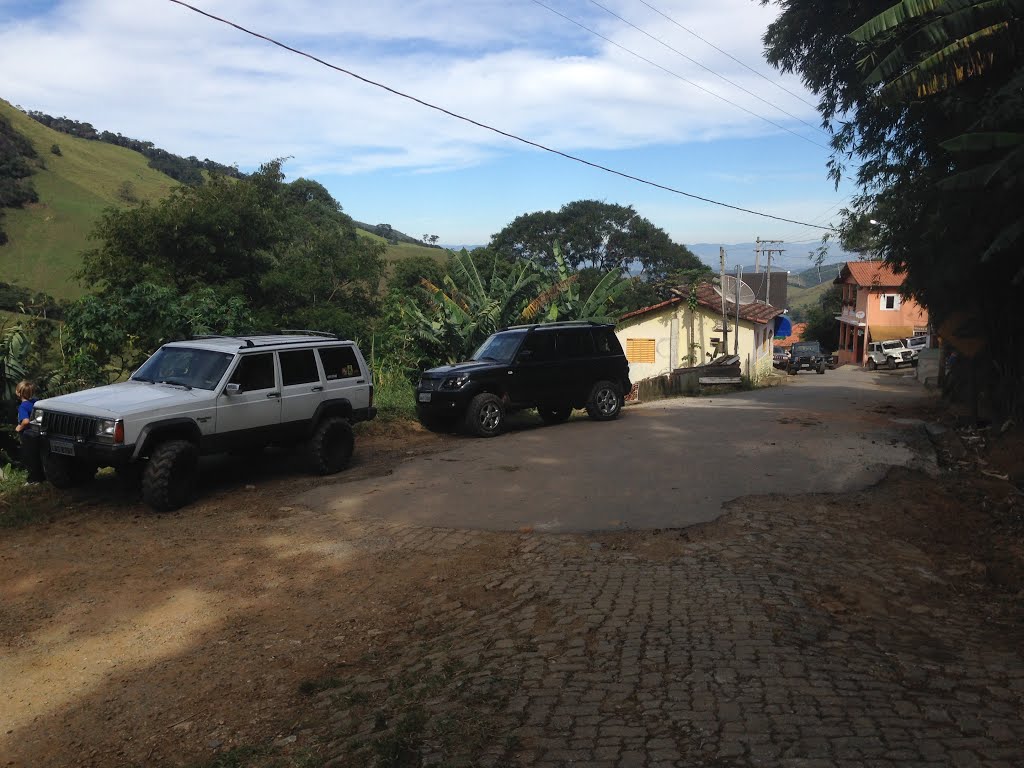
(485, 416)
(792, 371)
(64, 472)
(330, 448)
(169, 479)
(913, 363)
(891, 364)
(821, 368)
(554, 414)
(605, 401)
(872, 365)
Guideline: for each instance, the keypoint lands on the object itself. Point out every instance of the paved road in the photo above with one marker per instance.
(665, 464)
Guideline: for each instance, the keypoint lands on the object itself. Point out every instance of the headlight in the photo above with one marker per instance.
(110, 430)
(36, 419)
(455, 382)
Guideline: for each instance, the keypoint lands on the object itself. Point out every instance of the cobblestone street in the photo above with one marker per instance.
(789, 634)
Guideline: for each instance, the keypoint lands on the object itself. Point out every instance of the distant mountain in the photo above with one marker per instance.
(793, 259)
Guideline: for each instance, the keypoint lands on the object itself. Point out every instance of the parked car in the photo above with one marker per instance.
(554, 368)
(209, 395)
(916, 343)
(891, 354)
(806, 355)
(780, 357)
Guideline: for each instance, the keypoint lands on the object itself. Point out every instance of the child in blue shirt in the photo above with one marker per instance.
(29, 450)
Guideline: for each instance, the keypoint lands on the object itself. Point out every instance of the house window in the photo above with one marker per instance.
(640, 350)
(890, 301)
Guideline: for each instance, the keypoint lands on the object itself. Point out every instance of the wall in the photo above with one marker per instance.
(671, 352)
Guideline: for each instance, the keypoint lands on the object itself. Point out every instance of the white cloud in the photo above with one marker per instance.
(160, 72)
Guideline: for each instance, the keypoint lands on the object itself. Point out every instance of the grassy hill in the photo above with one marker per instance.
(47, 238)
(815, 275)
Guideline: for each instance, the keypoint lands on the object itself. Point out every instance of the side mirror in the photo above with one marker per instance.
(233, 389)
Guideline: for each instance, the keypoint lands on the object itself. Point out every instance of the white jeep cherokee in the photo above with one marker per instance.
(209, 395)
(891, 354)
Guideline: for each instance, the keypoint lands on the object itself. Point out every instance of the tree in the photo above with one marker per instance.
(246, 254)
(929, 92)
(597, 235)
(822, 325)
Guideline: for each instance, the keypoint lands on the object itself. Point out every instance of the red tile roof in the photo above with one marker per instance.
(869, 273)
(707, 297)
(796, 335)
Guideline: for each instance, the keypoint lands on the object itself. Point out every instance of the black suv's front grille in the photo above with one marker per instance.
(68, 425)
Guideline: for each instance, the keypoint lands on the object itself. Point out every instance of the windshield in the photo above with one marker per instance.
(806, 349)
(500, 347)
(892, 345)
(193, 368)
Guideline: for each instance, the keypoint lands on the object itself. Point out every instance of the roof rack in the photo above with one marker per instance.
(556, 324)
(248, 342)
(296, 331)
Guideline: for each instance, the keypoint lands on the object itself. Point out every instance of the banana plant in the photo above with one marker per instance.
(14, 348)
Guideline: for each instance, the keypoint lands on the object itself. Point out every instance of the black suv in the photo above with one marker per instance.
(808, 355)
(554, 368)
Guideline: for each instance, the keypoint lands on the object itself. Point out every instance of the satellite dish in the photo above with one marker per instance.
(859, 314)
(726, 287)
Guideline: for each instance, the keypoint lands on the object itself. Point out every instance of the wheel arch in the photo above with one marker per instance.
(160, 431)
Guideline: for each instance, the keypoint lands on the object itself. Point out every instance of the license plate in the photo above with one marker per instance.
(61, 447)
(425, 397)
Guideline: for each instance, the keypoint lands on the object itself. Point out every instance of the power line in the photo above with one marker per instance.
(707, 69)
(478, 124)
(742, 64)
(676, 74)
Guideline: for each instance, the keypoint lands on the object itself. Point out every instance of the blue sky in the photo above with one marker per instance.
(153, 70)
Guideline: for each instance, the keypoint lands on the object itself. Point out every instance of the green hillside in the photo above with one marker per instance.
(46, 238)
(807, 297)
(813, 276)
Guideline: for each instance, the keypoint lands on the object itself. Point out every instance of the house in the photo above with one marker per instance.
(795, 335)
(874, 309)
(666, 336)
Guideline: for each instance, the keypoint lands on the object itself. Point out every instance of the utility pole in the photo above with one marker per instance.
(736, 328)
(725, 316)
(757, 255)
(769, 251)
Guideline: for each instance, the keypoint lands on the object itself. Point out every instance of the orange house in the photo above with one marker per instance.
(874, 309)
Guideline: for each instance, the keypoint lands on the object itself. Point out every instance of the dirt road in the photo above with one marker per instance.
(880, 624)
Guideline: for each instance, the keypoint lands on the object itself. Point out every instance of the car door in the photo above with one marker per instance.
(253, 414)
(344, 378)
(530, 381)
(577, 367)
(302, 391)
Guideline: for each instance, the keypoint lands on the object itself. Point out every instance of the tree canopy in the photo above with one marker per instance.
(928, 95)
(228, 256)
(595, 235)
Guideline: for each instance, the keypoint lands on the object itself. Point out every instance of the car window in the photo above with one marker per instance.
(499, 346)
(605, 342)
(574, 343)
(540, 345)
(298, 367)
(255, 372)
(339, 362)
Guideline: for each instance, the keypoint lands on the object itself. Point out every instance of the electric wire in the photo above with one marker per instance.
(661, 42)
(484, 126)
(676, 74)
(726, 53)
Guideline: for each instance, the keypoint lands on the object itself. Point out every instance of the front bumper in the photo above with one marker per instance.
(88, 452)
(438, 402)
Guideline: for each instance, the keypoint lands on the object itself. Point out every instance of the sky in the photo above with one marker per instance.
(157, 71)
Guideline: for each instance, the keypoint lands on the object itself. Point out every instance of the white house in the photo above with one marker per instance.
(660, 338)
